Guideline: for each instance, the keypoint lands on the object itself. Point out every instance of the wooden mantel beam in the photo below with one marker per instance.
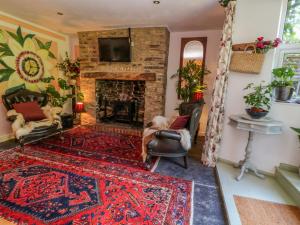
(119, 76)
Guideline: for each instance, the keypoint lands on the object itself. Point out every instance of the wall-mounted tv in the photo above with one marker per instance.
(114, 49)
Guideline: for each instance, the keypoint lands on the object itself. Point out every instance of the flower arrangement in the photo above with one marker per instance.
(263, 46)
(70, 68)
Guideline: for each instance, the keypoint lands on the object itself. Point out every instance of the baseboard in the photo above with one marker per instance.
(228, 162)
(6, 137)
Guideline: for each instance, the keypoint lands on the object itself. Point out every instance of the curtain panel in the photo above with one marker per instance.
(216, 116)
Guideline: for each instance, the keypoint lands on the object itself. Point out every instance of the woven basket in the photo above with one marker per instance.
(247, 61)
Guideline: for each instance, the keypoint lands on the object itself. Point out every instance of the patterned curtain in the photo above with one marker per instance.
(216, 115)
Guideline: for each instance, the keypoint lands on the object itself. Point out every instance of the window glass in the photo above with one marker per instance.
(291, 32)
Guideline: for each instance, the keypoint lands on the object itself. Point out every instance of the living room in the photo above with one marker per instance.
(150, 112)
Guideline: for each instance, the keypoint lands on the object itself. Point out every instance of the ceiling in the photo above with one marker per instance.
(83, 15)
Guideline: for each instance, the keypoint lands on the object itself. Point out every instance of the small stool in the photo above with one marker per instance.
(67, 121)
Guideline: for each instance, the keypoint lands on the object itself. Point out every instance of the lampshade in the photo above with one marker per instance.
(79, 107)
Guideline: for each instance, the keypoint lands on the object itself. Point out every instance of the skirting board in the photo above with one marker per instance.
(234, 163)
(6, 137)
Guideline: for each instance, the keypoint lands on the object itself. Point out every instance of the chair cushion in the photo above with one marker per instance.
(31, 111)
(180, 122)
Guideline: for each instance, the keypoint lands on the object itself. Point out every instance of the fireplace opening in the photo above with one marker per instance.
(120, 101)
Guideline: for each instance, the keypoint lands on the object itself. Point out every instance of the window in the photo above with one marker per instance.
(289, 51)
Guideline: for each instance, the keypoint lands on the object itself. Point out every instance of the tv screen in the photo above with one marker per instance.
(114, 49)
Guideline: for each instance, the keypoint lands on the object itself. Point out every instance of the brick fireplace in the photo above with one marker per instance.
(148, 65)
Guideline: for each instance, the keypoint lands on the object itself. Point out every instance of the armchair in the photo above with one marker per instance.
(167, 142)
(34, 130)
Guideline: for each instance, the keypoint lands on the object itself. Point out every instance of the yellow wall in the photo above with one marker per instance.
(59, 45)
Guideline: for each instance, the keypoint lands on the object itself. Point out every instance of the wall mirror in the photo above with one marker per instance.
(192, 49)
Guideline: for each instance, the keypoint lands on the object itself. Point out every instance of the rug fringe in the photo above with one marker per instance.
(155, 165)
(192, 204)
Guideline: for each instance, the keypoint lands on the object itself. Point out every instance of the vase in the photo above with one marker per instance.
(256, 114)
(283, 93)
(197, 96)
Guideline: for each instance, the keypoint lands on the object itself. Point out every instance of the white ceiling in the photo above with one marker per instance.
(83, 15)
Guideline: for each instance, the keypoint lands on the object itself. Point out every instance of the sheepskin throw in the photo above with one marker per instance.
(21, 128)
(163, 123)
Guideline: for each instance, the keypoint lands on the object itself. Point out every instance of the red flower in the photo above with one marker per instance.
(267, 42)
(260, 45)
(260, 38)
(278, 40)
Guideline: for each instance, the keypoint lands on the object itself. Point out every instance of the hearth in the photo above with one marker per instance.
(120, 101)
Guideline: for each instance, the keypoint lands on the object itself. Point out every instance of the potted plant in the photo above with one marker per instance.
(283, 83)
(70, 69)
(192, 86)
(258, 100)
(57, 98)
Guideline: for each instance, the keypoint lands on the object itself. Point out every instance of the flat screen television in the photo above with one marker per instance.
(114, 49)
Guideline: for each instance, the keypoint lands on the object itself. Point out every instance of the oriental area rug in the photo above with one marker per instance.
(90, 143)
(38, 188)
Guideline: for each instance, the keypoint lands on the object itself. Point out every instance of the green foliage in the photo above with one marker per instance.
(192, 76)
(292, 22)
(69, 67)
(297, 130)
(56, 98)
(283, 77)
(5, 72)
(5, 50)
(80, 96)
(46, 46)
(18, 36)
(47, 79)
(259, 97)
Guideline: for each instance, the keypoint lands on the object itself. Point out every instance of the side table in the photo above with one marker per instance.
(266, 126)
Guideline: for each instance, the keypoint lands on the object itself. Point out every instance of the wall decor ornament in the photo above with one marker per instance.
(24, 60)
(249, 57)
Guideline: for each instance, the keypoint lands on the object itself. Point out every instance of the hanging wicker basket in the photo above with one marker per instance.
(247, 61)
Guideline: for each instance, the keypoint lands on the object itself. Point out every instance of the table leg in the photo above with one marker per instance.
(246, 164)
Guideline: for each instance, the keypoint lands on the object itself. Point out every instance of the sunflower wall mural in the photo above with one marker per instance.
(24, 61)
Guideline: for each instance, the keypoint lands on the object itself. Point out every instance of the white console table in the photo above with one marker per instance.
(263, 126)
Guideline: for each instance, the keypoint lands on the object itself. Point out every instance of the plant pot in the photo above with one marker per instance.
(197, 96)
(283, 93)
(256, 114)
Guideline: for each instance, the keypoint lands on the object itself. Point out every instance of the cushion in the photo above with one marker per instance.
(180, 122)
(31, 111)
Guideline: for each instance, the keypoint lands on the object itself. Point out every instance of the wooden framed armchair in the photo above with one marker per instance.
(30, 131)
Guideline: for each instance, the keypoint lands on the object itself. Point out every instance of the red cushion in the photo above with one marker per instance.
(180, 122)
(31, 111)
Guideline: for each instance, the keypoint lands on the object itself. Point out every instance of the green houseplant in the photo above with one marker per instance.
(258, 100)
(283, 83)
(57, 98)
(192, 75)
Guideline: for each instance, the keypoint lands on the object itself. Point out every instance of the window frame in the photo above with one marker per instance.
(286, 48)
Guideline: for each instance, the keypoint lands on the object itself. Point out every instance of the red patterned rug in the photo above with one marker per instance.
(72, 190)
(87, 142)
